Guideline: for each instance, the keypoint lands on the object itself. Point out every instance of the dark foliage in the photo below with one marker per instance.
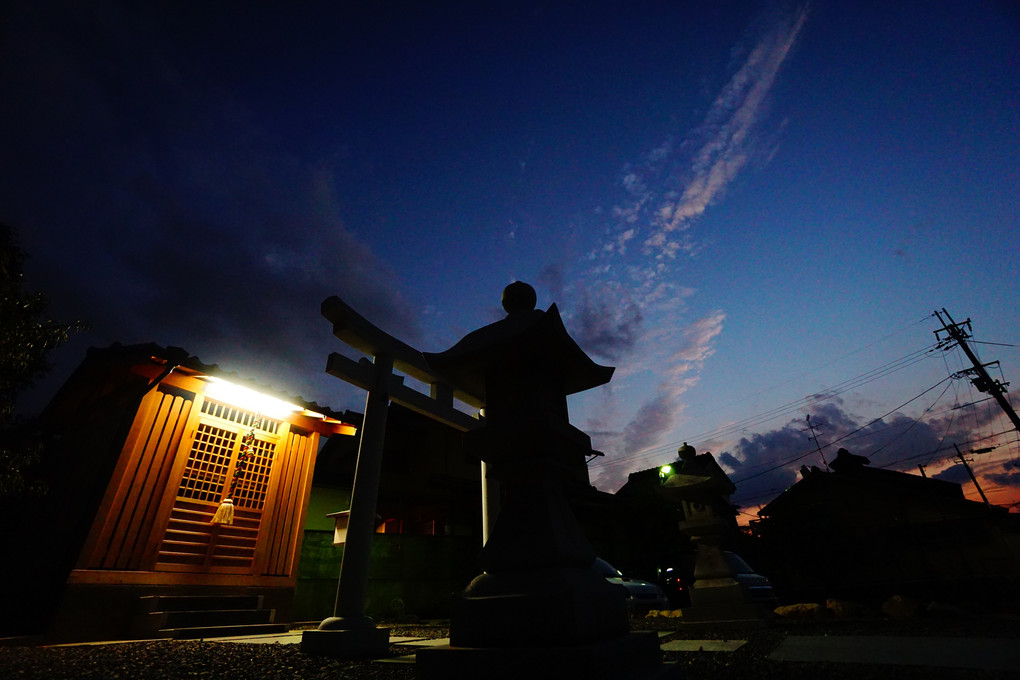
(27, 335)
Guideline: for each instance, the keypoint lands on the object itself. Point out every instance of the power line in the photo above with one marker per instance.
(915, 422)
(819, 367)
(866, 377)
(958, 337)
(773, 491)
(857, 381)
(949, 426)
(801, 455)
(933, 453)
(873, 432)
(851, 383)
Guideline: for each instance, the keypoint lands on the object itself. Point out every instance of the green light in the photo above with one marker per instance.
(665, 471)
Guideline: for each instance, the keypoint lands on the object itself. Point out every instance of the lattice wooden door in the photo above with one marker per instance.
(191, 542)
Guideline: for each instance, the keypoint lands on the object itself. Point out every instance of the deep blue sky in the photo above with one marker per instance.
(746, 207)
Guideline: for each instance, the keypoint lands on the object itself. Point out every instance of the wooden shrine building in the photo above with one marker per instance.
(144, 443)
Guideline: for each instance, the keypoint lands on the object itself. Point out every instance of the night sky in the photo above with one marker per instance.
(751, 209)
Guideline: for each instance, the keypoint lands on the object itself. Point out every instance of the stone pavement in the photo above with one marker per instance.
(954, 652)
(937, 652)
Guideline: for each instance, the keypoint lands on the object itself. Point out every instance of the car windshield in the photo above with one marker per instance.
(605, 569)
(737, 564)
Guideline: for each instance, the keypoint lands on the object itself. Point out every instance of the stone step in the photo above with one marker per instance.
(209, 617)
(197, 632)
(189, 617)
(169, 603)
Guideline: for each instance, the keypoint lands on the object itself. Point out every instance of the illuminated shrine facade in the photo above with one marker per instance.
(150, 441)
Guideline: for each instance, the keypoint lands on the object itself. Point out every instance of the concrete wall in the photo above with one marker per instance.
(408, 575)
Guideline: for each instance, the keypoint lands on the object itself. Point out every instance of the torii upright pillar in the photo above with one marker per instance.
(349, 633)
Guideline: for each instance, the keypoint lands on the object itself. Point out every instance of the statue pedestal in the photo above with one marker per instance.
(537, 607)
(635, 655)
(359, 640)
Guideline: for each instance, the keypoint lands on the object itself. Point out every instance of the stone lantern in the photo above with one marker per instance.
(702, 489)
(538, 600)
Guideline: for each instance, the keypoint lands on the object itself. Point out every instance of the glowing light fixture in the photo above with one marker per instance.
(248, 399)
(665, 471)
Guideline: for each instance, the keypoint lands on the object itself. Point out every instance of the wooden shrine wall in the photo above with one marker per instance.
(171, 475)
(124, 524)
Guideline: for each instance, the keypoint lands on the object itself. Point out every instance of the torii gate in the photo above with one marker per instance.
(349, 633)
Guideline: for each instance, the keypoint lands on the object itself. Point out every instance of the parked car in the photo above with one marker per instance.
(642, 596)
(677, 577)
(756, 586)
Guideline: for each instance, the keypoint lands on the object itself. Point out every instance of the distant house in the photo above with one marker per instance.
(648, 521)
(146, 442)
(859, 531)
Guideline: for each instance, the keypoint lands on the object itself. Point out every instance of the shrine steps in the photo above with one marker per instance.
(191, 617)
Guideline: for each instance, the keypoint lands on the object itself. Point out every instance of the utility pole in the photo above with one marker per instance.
(959, 454)
(983, 382)
(810, 426)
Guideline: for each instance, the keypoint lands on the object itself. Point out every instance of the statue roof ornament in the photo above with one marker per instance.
(518, 297)
(527, 336)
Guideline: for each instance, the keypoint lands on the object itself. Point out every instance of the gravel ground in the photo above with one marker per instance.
(751, 660)
(173, 660)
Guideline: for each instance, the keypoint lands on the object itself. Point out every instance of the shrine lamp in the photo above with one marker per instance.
(249, 399)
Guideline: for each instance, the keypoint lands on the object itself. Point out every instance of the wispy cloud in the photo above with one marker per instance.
(724, 139)
(654, 417)
(697, 344)
(660, 414)
(605, 330)
(650, 332)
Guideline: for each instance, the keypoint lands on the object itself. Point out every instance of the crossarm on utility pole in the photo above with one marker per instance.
(992, 386)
